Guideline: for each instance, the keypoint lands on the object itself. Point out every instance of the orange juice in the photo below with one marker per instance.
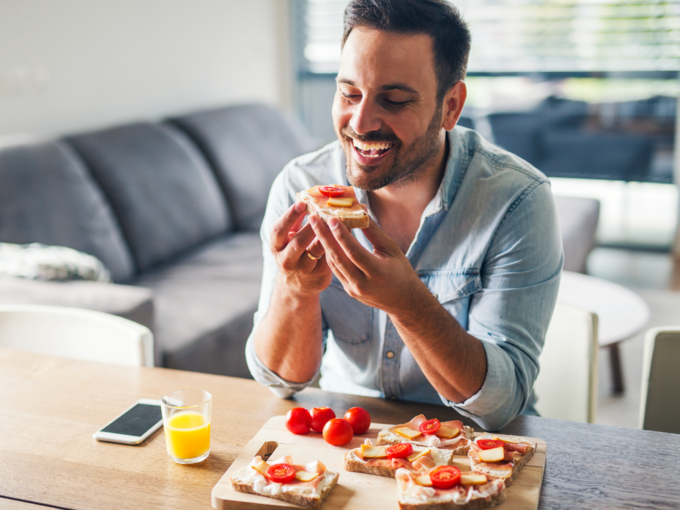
(187, 435)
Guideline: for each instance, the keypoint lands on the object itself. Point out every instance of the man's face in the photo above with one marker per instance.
(385, 110)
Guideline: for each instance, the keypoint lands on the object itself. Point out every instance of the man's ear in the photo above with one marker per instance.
(454, 100)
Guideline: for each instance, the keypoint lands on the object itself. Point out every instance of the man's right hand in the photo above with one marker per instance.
(290, 243)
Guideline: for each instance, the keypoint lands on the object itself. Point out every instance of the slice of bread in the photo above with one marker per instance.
(387, 437)
(461, 497)
(305, 500)
(354, 216)
(474, 504)
(504, 470)
(353, 462)
(251, 480)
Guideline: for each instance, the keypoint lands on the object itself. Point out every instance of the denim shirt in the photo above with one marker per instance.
(488, 248)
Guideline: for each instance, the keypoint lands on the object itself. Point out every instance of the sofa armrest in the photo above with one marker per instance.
(134, 303)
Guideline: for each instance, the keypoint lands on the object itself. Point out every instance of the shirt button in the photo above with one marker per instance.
(436, 296)
(390, 354)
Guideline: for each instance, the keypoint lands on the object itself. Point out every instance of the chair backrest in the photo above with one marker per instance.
(660, 398)
(566, 386)
(75, 333)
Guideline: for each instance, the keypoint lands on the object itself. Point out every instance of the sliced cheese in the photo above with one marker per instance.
(492, 455)
(447, 432)
(408, 433)
(304, 476)
(373, 452)
(417, 455)
(262, 468)
(340, 202)
(472, 479)
(424, 480)
(506, 440)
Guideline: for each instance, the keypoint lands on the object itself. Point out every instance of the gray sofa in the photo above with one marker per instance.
(172, 209)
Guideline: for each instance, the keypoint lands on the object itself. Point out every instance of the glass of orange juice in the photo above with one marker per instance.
(186, 422)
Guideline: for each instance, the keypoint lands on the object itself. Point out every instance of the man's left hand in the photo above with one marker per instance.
(383, 279)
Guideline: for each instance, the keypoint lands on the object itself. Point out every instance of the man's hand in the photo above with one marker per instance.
(290, 244)
(383, 279)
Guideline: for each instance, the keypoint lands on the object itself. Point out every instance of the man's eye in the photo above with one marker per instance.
(396, 104)
(350, 96)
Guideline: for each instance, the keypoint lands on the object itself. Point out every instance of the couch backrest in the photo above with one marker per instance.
(48, 196)
(160, 187)
(247, 146)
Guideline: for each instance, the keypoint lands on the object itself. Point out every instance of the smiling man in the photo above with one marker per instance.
(447, 296)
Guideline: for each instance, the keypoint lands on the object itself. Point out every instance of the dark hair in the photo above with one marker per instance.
(436, 18)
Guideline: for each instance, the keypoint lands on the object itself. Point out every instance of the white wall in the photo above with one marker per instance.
(69, 65)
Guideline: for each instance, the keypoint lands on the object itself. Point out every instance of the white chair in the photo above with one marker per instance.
(75, 333)
(660, 397)
(566, 386)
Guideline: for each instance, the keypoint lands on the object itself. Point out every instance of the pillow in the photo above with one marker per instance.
(36, 261)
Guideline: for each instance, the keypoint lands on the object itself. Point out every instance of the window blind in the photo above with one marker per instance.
(533, 36)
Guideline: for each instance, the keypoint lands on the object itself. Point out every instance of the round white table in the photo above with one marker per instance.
(621, 313)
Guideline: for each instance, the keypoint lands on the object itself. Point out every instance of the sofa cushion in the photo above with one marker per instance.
(204, 305)
(160, 187)
(247, 146)
(134, 303)
(47, 196)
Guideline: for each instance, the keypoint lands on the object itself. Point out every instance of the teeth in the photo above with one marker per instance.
(369, 146)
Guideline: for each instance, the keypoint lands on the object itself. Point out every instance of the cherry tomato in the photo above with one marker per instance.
(320, 415)
(331, 191)
(399, 451)
(359, 419)
(337, 432)
(281, 473)
(445, 477)
(298, 420)
(488, 444)
(430, 426)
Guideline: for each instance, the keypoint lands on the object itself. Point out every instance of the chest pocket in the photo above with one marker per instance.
(349, 320)
(453, 289)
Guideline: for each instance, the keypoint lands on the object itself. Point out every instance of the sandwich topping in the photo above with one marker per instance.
(428, 432)
(418, 487)
(282, 476)
(328, 200)
(372, 149)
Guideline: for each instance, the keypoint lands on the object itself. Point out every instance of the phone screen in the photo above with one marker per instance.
(136, 421)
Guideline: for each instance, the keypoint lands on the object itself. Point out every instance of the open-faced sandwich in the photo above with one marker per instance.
(451, 435)
(335, 201)
(446, 488)
(306, 485)
(385, 460)
(501, 458)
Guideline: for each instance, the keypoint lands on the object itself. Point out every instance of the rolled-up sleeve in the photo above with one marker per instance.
(279, 201)
(511, 313)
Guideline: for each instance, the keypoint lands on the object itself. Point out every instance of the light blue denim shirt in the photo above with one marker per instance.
(488, 247)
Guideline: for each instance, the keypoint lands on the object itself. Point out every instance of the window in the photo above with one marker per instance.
(532, 36)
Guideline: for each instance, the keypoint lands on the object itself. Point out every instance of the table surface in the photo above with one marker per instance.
(52, 406)
(621, 312)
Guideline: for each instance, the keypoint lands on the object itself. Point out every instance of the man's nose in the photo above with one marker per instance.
(365, 117)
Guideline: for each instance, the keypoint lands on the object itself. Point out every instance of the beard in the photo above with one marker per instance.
(408, 162)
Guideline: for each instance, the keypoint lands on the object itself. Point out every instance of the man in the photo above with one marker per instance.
(447, 297)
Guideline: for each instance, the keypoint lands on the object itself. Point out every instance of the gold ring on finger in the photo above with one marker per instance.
(312, 256)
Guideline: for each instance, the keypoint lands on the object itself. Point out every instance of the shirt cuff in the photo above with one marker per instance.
(277, 385)
(492, 407)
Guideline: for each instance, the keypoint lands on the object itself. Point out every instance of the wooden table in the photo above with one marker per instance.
(50, 408)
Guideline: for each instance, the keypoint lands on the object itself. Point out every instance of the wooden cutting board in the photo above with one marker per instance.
(354, 491)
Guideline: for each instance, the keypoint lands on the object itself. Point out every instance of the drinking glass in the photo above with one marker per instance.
(186, 422)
